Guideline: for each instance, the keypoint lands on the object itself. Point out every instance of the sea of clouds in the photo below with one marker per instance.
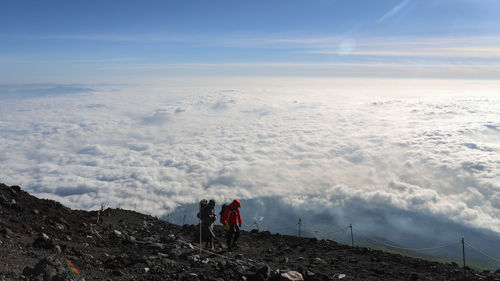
(375, 153)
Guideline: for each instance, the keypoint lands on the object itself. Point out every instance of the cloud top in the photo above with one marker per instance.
(428, 153)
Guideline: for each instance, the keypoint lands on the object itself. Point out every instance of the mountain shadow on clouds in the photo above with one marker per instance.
(390, 225)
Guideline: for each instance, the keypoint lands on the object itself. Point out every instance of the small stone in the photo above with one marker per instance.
(309, 273)
(292, 276)
(195, 258)
(162, 255)
(157, 246)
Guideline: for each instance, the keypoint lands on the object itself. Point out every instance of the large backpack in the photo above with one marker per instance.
(203, 204)
(223, 209)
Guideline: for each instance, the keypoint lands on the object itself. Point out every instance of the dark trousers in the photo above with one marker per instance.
(207, 232)
(232, 235)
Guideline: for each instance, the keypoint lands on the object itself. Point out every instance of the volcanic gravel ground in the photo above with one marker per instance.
(38, 238)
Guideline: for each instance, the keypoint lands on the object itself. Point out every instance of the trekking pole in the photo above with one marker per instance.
(201, 246)
(463, 256)
(352, 236)
(184, 220)
(300, 223)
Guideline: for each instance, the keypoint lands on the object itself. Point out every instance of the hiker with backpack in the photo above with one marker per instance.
(231, 219)
(207, 217)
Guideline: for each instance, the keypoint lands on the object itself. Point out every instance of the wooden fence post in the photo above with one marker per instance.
(352, 236)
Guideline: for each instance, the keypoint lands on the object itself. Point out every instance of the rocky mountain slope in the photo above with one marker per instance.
(44, 240)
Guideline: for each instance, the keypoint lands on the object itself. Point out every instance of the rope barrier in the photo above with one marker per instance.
(311, 230)
(285, 228)
(343, 229)
(403, 248)
(481, 252)
(327, 233)
(290, 230)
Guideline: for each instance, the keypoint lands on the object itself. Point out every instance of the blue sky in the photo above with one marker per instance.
(62, 40)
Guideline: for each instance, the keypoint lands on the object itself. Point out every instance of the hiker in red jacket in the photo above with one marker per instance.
(232, 217)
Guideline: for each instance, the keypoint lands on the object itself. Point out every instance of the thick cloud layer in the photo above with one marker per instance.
(430, 151)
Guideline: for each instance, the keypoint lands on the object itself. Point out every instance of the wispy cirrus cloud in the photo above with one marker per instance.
(419, 46)
(473, 57)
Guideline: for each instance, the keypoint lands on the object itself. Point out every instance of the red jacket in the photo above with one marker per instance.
(231, 214)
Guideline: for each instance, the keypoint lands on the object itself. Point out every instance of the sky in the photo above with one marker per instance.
(384, 114)
(81, 41)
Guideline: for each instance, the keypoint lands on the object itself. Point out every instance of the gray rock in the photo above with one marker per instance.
(287, 276)
(49, 268)
(194, 258)
(259, 273)
(157, 246)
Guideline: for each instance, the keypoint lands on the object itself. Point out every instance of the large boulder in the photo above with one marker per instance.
(259, 273)
(50, 269)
